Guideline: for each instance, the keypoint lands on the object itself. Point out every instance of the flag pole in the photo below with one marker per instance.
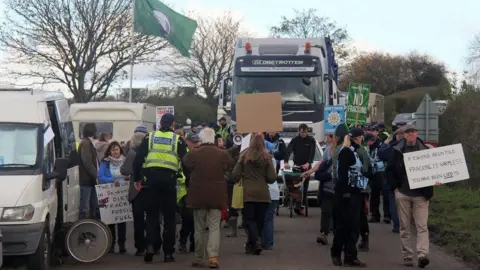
(132, 51)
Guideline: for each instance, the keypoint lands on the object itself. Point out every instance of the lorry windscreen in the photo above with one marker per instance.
(292, 89)
(19, 145)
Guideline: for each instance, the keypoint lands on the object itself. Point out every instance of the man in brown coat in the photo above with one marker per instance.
(88, 171)
(207, 195)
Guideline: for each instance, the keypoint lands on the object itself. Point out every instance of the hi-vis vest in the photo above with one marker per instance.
(181, 185)
(162, 151)
(223, 131)
(77, 144)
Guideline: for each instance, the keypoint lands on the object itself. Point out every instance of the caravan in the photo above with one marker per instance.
(39, 192)
(118, 119)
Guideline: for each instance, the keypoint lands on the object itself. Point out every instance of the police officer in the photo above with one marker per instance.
(156, 167)
(382, 133)
(223, 129)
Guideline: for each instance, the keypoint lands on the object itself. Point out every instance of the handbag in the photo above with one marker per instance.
(237, 196)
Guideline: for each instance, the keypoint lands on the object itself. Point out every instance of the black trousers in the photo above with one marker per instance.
(161, 196)
(327, 212)
(254, 219)
(347, 226)
(187, 232)
(364, 227)
(121, 236)
(379, 188)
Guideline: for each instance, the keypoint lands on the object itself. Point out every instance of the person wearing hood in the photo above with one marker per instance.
(109, 172)
(280, 148)
(101, 145)
(384, 153)
(350, 181)
(378, 180)
(255, 169)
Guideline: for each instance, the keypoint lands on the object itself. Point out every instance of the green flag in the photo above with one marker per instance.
(154, 18)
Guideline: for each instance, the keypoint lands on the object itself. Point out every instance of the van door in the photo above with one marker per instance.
(49, 188)
(70, 188)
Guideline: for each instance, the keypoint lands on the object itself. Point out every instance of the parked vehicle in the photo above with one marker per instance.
(406, 118)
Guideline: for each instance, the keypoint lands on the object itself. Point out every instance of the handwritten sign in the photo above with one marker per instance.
(245, 142)
(161, 110)
(113, 203)
(443, 164)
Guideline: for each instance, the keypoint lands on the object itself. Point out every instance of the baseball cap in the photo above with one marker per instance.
(167, 120)
(141, 128)
(410, 127)
(192, 137)
(356, 132)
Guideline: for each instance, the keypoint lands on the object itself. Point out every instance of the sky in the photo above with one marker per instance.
(442, 29)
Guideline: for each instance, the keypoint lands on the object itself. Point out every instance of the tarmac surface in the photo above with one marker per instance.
(295, 248)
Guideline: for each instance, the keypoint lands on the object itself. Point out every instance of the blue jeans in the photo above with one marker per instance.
(88, 202)
(267, 233)
(393, 210)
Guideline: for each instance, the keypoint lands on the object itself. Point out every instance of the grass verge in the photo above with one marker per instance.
(454, 222)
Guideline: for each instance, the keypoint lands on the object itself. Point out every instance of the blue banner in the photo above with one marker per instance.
(334, 116)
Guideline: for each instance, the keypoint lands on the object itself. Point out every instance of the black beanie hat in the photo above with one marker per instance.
(341, 131)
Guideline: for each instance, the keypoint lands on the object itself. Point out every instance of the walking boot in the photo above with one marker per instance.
(364, 243)
(232, 222)
(322, 239)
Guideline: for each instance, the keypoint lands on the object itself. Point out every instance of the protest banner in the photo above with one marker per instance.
(357, 104)
(113, 203)
(443, 165)
(260, 112)
(161, 110)
(334, 116)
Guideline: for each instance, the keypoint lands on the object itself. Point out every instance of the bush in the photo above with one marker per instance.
(454, 222)
(460, 124)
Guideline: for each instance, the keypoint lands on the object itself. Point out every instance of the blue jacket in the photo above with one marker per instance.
(385, 151)
(104, 174)
(271, 147)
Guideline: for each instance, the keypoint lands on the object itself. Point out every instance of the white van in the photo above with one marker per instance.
(39, 185)
(119, 119)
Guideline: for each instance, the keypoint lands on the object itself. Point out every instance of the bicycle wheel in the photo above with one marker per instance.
(88, 240)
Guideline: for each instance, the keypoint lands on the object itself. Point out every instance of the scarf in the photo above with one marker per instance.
(116, 161)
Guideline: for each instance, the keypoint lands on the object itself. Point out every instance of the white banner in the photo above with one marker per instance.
(277, 69)
(161, 110)
(443, 165)
(113, 203)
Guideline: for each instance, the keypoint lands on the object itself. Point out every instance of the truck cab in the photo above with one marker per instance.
(39, 184)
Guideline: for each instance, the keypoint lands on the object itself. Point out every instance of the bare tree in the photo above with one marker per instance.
(211, 56)
(307, 24)
(83, 44)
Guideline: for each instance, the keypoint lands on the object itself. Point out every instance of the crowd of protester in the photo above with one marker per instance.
(199, 174)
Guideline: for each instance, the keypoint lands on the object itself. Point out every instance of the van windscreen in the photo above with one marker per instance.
(102, 127)
(18, 144)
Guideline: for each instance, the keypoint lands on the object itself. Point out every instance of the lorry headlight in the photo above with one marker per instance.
(21, 213)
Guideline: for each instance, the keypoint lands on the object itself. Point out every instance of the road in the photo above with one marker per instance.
(295, 248)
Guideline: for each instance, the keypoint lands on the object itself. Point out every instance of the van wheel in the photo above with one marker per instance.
(41, 258)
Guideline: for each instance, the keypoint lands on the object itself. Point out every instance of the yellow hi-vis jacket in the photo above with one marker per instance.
(181, 185)
(162, 151)
(223, 132)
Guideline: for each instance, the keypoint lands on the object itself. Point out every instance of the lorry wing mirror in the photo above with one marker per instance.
(60, 170)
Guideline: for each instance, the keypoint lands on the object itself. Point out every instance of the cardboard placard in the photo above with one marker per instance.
(443, 165)
(260, 112)
(113, 203)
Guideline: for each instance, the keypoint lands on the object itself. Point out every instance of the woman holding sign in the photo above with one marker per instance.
(109, 172)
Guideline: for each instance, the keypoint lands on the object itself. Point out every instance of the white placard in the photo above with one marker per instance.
(443, 164)
(245, 142)
(161, 110)
(113, 203)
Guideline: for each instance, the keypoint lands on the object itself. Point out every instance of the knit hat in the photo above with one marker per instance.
(341, 131)
(141, 128)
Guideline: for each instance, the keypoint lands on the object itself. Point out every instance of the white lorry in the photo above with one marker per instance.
(119, 119)
(304, 71)
(40, 192)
